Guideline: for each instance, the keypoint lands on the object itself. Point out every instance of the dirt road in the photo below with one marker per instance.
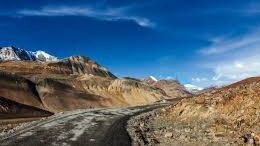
(98, 127)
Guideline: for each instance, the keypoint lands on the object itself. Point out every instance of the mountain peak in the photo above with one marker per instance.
(14, 53)
(150, 80)
(43, 56)
(153, 78)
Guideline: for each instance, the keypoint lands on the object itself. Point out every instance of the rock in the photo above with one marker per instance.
(168, 135)
(251, 141)
(142, 124)
(163, 110)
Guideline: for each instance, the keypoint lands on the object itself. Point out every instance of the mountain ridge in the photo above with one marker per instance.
(18, 54)
(75, 82)
(172, 87)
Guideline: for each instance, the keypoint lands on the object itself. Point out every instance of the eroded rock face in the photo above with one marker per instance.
(229, 115)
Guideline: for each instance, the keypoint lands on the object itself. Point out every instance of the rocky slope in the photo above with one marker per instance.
(72, 83)
(170, 86)
(226, 116)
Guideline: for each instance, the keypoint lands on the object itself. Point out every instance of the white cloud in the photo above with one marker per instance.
(238, 69)
(219, 46)
(108, 14)
(230, 71)
(235, 59)
(191, 87)
(197, 79)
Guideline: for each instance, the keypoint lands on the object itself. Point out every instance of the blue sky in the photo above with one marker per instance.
(202, 42)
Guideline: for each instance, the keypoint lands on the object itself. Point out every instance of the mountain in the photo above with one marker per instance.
(43, 56)
(13, 53)
(149, 80)
(192, 88)
(171, 87)
(74, 65)
(225, 116)
(71, 83)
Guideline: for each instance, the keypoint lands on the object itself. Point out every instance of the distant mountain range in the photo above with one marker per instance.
(13, 53)
(48, 84)
(172, 87)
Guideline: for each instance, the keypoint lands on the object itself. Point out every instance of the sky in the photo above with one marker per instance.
(205, 43)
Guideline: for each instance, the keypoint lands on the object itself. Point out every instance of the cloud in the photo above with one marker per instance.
(219, 46)
(191, 87)
(230, 71)
(230, 59)
(238, 69)
(197, 79)
(106, 14)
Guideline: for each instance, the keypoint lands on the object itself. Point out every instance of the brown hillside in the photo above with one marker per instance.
(19, 89)
(229, 115)
(11, 109)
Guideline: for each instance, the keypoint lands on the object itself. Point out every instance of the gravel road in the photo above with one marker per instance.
(97, 127)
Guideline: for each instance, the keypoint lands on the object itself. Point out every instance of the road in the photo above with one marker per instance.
(97, 127)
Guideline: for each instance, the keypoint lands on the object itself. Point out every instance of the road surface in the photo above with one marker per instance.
(98, 127)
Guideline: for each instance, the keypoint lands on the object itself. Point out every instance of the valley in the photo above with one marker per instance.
(75, 101)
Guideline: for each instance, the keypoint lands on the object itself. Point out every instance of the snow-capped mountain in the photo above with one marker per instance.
(150, 80)
(13, 53)
(153, 78)
(192, 88)
(43, 56)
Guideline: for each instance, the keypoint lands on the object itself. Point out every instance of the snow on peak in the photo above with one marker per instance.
(43, 56)
(13, 53)
(191, 87)
(153, 78)
(103, 68)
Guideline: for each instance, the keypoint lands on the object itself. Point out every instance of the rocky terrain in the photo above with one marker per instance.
(42, 81)
(226, 116)
(170, 86)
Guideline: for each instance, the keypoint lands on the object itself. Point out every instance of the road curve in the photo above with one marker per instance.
(98, 127)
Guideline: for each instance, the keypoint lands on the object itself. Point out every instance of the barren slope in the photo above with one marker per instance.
(19, 89)
(227, 116)
(10, 109)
